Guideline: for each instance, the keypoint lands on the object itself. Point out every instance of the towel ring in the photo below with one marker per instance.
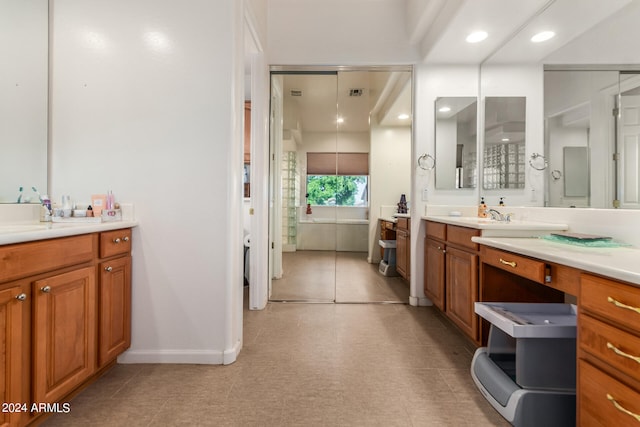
(536, 156)
(427, 162)
(556, 174)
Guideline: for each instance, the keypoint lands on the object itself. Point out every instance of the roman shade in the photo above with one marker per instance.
(338, 164)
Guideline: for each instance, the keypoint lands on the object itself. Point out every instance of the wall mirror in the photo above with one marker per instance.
(504, 142)
(592, 117)
(23, 99)
(455, 142)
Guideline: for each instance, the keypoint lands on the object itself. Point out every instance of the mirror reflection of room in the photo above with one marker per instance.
(455, 148)
(591, 139)
(504, 143)
(345, 157)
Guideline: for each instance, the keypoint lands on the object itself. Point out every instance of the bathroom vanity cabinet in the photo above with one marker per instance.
(458, 273)
(62, 322)
(451, 273)
(403, 247)
(608, 352)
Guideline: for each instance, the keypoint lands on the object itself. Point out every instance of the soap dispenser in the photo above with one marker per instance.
(482, 209)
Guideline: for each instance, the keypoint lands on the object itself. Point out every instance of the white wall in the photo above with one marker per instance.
(390, 176)
(334, 32)
(147, 102)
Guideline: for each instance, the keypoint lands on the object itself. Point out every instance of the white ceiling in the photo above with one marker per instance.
(587, 32)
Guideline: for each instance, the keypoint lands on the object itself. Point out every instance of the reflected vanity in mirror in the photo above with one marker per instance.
(23, 98)
(504, 142)
(455, 147)
(592, 137)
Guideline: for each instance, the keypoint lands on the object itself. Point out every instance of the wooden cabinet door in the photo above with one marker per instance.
(462, 290)
(14, 302)
(434, 264)
(402, 259)
(114, 322)
(64, 333)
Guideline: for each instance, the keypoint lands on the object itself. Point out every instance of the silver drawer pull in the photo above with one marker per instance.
(21, 297)
(46, 289)
(619, 352)
(620, 408)
(108, 268)
(116, 240)
(509, 263)
(125, 239)
(621, 305)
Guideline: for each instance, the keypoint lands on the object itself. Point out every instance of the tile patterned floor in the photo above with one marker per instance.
(305, 365)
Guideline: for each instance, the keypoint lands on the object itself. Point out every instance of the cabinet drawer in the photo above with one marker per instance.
(604, 400)
(614, 346)
(610, 299)
(437, 230)
(27, 259)
(115, 242)
(403, 223)
(526, 267)
(461, 236)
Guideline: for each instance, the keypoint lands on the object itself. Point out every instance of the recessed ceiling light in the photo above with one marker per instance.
(543, 36)
(505, 139)
(444, 109)
(403, 116)
(476, 36)
(340, 120)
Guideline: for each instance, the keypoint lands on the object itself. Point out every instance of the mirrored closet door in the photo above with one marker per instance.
(334, 169)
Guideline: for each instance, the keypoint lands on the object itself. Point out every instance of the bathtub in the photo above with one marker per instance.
(329, 234)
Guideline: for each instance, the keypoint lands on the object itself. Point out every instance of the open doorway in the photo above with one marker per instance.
(340, 153)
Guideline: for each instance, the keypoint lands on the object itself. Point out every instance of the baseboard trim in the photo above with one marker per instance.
(198, 357)
(420, 302)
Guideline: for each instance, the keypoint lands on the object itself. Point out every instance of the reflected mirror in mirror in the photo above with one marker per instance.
(504, 142)
(23, 99)
(455, 146)
(598, 110)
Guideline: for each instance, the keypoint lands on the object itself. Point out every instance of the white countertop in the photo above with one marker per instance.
(621, 263)
(492, 228)
(27, 232)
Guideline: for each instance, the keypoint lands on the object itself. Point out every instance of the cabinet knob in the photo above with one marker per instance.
(116, 240)
(21, 297)
(46, 289)
(108, 268)
(125, 239)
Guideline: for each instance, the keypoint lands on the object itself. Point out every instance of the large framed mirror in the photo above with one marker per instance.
(504, 143)
(23, 99)
(456, 121)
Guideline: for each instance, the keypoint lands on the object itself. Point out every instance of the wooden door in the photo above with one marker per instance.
(434, 278)
(114, 322)
(64, 333)
(462, 290)
(13, 303)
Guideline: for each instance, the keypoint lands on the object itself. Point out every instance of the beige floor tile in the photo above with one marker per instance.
(305, 365)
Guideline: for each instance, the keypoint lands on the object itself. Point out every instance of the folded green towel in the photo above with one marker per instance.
(605, 243)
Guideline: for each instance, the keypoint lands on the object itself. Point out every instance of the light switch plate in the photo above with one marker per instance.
(425, 194)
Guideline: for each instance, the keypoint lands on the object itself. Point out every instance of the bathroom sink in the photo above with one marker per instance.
(515, 228)
(21, 228)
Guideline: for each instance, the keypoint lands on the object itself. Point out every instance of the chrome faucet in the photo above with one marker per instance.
(497, 216)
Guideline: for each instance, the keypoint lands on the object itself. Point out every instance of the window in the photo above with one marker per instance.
(337, 179)
(337, 190)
